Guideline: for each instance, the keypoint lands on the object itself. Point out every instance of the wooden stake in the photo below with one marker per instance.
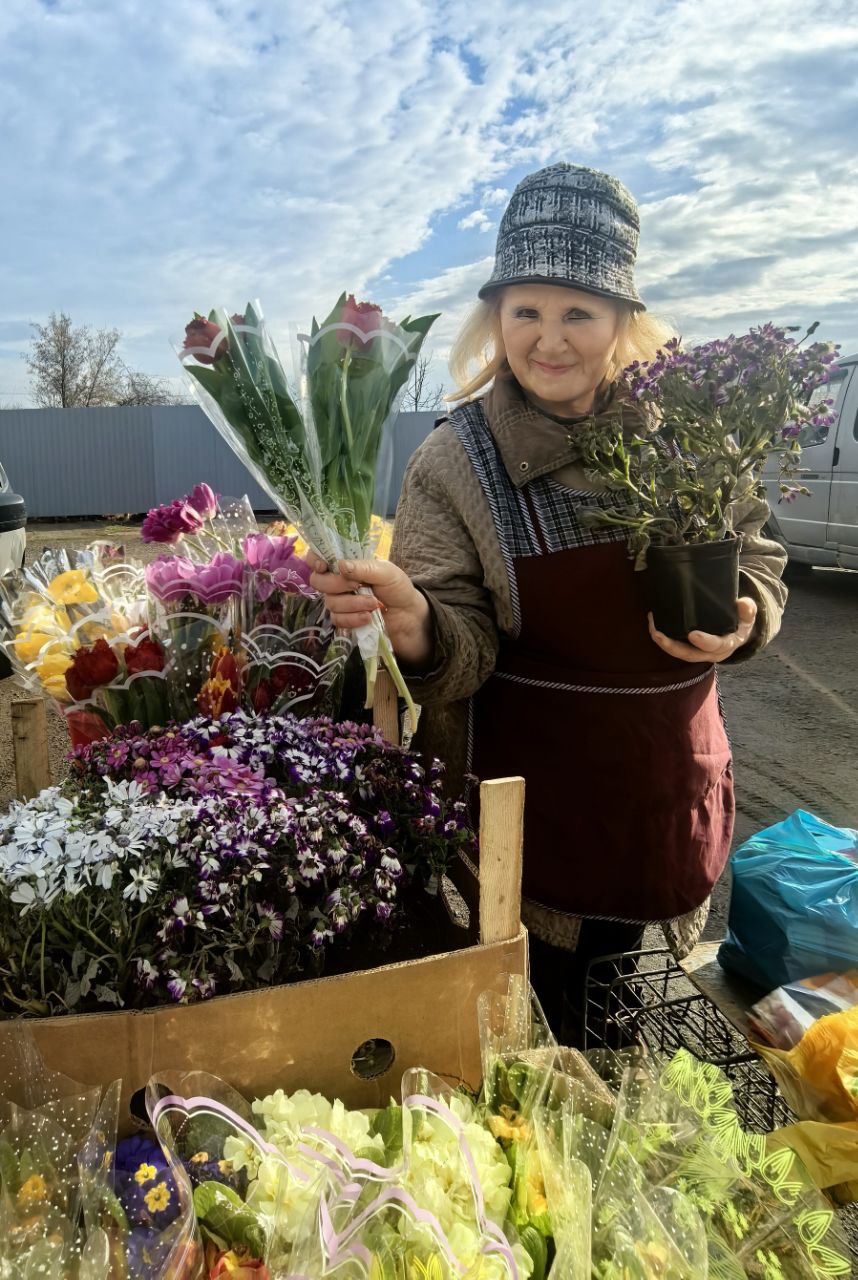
(30, 747)
(501, 848)
(385, 711)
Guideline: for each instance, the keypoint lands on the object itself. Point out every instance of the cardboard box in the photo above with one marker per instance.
(309, 1034)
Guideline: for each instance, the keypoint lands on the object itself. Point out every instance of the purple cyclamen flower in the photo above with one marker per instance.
(275, 565)
(168, 576)
(204, 501)
(171, 522)
(216, 581)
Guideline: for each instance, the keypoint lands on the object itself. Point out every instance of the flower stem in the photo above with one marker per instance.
(388, 657)
(344, 399)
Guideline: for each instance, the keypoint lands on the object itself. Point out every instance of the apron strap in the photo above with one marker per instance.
(537, 527)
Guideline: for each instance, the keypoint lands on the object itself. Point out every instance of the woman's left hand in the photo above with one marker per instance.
(701, 646)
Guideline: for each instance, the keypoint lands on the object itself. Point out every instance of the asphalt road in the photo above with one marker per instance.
(792, 714)
(792, 711)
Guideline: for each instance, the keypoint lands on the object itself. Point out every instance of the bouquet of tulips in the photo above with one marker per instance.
(239, 621)
(313, 447)
(75, 628)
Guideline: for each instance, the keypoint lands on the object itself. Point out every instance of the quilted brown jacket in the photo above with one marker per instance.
(445, 540)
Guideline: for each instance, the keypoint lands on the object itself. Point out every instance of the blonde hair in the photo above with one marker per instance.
(480, 342)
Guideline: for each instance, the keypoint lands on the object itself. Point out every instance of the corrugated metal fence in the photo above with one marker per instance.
(93, 462)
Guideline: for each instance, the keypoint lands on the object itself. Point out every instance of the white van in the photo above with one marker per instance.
(823, 529)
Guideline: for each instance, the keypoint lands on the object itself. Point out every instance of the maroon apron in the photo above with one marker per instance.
(629, 803)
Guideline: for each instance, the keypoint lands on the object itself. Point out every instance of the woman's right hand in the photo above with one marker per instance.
(406, 610)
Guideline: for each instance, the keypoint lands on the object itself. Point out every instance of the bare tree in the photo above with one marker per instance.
(76, 366)
(420, 392)
(140, 388)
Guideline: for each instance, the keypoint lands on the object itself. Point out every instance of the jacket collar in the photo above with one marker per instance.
(531, 443)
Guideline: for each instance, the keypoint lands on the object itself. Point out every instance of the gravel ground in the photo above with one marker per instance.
(792, 712)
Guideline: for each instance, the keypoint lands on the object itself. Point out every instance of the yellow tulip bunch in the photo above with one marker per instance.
(380, 536)
(52, 618)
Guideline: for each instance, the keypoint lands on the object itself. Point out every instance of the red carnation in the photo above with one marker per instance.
(203, 333)
(90, 668)
(365, 316)
(145, 656)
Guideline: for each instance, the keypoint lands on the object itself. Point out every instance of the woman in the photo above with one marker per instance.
(524, 633)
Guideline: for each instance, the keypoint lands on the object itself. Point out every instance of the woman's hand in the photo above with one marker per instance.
(705, 648)
(406, 610)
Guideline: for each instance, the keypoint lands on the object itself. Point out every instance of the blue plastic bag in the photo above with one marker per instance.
(794, 910)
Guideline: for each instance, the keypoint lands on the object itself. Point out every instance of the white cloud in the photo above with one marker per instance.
(478, 220)
(169, 157)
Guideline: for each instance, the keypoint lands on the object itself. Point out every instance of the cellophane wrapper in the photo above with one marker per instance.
(419, 1190)
(315, 446)
(60, 1216)
(69, 607)
(240, 625)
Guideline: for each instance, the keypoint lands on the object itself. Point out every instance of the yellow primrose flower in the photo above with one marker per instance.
(51, 670)
(158, 1198)
(32, 1192)
(72, 587)
(145, 1173)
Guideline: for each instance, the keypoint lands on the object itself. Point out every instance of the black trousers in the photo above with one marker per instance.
(559, 977)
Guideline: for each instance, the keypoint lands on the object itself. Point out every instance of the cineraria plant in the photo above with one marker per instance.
(709, 419)
(211, 857)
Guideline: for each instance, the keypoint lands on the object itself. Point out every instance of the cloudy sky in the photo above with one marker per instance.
(160, 157)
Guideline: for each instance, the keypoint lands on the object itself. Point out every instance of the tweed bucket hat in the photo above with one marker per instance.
(571, 226)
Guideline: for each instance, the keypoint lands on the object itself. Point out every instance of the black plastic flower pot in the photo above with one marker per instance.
(694, 587)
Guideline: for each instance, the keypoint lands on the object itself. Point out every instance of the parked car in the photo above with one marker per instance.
(13, 539)
(822, 529)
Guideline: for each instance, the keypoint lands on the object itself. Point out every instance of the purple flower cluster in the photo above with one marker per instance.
(299, 832)
(181, 517)
(741, 371)
(275, 566)
(174, 577)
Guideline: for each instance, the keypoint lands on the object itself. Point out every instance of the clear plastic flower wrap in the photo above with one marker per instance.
(74, 626)
(313, 446)
(520, 1058)
(234, 610)
(65, 1208)
(419, 1189)
(762, 1215)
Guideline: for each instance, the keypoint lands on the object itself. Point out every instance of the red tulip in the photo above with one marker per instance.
(202, 333)
(85, 727)
(145, 656)
(91, 668)
(365, 316)
(219, 694)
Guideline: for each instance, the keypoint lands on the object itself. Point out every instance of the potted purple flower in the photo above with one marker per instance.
(708, 419)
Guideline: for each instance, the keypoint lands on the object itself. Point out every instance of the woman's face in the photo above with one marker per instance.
(559, 343)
